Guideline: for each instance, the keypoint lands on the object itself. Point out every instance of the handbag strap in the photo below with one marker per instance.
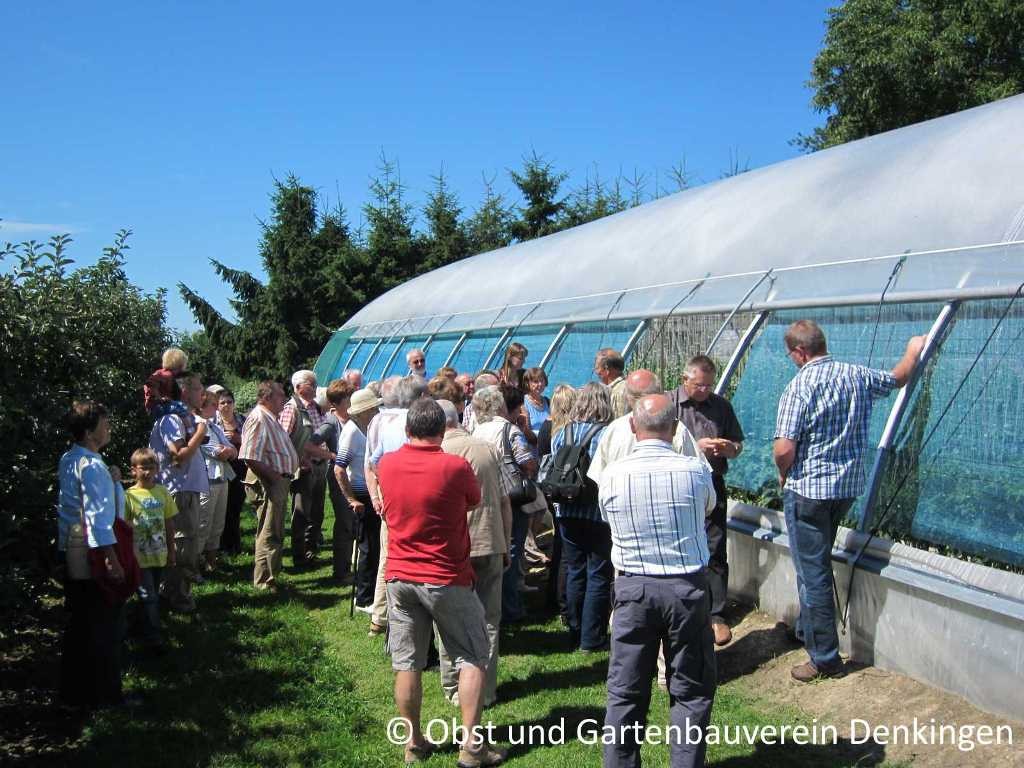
(81, 499)
(510, 458)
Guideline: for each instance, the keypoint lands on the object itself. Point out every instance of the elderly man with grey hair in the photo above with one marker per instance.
(354, 377)
(660, 551)
(483, 380)
(385, 434)
(416, 359)
(300, 418)
(490, 532)
(618, 439)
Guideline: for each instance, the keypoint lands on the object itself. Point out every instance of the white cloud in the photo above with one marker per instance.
(9, 227)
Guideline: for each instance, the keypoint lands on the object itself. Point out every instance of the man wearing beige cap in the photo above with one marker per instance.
(349, 471)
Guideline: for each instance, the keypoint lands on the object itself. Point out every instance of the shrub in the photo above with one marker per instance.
(64, 335)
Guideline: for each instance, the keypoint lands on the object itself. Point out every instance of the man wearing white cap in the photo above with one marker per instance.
(349, 471)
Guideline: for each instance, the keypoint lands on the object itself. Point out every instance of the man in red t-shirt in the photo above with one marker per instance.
(430, 579)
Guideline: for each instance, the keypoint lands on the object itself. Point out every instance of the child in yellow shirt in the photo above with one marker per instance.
(149, 508)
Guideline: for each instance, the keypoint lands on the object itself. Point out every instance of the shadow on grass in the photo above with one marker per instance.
(533, 640)
(575, 677)
(790, 755)
(246, 681)
(561, 723)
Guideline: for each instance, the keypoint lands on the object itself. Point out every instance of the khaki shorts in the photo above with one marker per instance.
(414, 608)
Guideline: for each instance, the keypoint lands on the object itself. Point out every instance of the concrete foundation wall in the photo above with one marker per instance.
(962, 633)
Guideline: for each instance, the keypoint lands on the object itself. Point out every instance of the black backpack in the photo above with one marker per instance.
(566, 479)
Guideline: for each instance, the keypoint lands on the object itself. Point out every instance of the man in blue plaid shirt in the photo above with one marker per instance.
(820, 436)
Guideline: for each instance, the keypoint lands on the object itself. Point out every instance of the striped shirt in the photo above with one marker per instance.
(350, 455)
(826, 411)
(655, 502)
(264, 439)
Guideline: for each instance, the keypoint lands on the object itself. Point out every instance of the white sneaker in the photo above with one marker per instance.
(367, 609)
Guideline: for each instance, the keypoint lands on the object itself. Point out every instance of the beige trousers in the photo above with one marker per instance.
(271, 505)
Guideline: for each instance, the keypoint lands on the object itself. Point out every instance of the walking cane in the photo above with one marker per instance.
(355, 562)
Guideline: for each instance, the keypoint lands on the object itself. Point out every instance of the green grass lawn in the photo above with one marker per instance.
(290, 680)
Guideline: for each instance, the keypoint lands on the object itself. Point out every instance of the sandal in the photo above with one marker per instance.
(416, 754)
(376, 630)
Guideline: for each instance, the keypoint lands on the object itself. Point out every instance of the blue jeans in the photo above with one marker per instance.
(812, 526)
(511, 600)
(587, 552)
(149, 599)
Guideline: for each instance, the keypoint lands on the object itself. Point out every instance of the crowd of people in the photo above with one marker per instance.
(441, 490)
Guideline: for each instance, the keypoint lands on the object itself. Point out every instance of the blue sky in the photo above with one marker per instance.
(172, 121)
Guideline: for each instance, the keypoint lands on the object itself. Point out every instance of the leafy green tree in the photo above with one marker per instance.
(539, 184)
(890, 63)
(490, 227)
(65, 334)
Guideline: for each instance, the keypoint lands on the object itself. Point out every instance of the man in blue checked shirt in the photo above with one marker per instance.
(820, 436)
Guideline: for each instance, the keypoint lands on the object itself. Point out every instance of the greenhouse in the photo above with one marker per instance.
(915, 231)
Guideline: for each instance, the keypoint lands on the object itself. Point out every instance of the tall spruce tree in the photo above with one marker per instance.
(445, 240)
(539, 184)
(391, 246)
(490, 227)
(284, 323)
(592, 200)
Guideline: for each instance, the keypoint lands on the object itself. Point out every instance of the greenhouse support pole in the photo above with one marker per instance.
(502, 340)
(735, 309)
(432, 336)
(899, 408)
(553, 346)
(637, 333)
(737, 354)
(391, 360)
(373, 354)
(455, 349)
(352, 356)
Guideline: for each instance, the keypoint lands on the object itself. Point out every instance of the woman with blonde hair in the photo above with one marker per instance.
(562, 401)
(586, 538)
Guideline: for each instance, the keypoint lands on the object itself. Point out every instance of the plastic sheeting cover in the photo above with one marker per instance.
(965, 488)
(852, 337)
(953, 182)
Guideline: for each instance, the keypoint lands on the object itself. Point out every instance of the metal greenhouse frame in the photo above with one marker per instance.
(917, 230)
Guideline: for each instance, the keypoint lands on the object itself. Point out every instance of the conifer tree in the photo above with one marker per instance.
(490, 227)
(539, 185)
(445, 240)
(283, 323)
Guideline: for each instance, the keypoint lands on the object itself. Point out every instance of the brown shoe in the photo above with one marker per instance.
(807, 672)
(416, 753)
(486, 755)
(723, 635)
